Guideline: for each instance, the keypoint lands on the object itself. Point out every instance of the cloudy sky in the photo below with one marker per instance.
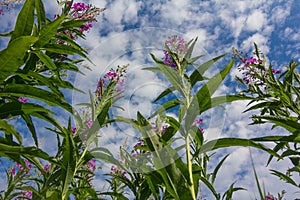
(129, 30)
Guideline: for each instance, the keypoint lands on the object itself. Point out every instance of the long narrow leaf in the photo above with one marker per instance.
(11, 58)
(197, 75)
(48, 32)
(36, 93)
(24, 23)
(231, 142)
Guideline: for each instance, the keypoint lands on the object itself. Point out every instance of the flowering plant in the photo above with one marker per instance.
(42, 51)
(276, 97)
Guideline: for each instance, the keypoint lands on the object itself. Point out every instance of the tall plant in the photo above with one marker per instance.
(160, 171)
(33, 65)
(276, 97)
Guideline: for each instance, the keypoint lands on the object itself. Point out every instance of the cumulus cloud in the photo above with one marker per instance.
(256, 21)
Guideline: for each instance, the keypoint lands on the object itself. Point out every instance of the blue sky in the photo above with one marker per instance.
(128, 30)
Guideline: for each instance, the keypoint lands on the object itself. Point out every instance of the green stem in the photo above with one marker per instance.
(189, 164)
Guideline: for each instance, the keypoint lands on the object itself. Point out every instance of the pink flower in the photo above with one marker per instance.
(276, 71)
(26, 194)
(198, 121)
(73, 130)
(110, 74)
(89, 123)
(138, 144)
(47, 166)
(22, 100)
(201, 130)
(112, 168)
(121, 82)
(92, 164)
(270, 197)
(13, 171)
(176, 45)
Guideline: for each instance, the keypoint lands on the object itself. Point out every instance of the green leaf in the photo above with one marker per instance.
(69, 162)
(197, 75)
(228, 194)
(202, 99)
(10, 129)
(165, 107)
(153, 187)
(63, 49)
(231, 142)
(11, 58)
(31, 127)
(164, 93)
(105, 157)
(43, 81)
(18, 108)
(6, 34)
(278, 138)
(214, 174)
(288, 123)
(36, 93)
(170, 187)
(210, 187)
(72, 24)
(190, 49)
(284, 177)
(25, 20)
(40, 13)
(217, 101)
(261, 194)
(115, 194)
(19, 150)
(205, 93)
(46, 60)
(48, 32)
(172, 75)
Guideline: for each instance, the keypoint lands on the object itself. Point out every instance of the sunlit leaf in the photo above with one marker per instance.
(11, 58)
(25, 19)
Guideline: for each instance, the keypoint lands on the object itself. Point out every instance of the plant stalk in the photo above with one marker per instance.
(189, 165)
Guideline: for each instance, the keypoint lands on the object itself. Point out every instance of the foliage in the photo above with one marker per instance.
(276, 96)
(34, 65)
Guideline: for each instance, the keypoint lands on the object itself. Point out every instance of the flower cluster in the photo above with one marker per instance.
(91, 165)
(113, 77)
(177, 46)
(22, 100)
(25, 194)
(249, 69)
(82, 11)
(89, 123)
(47, 167)
(252, 68)
(198, 123)
(270, 197)
(117, 171)
(137, 151)
(21, 171)
(160, 131)
(20, 167)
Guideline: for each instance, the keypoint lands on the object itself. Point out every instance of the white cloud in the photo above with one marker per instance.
(176, 11)
(124, 10)
(280, 13)
(256, 21)
(261, 40)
